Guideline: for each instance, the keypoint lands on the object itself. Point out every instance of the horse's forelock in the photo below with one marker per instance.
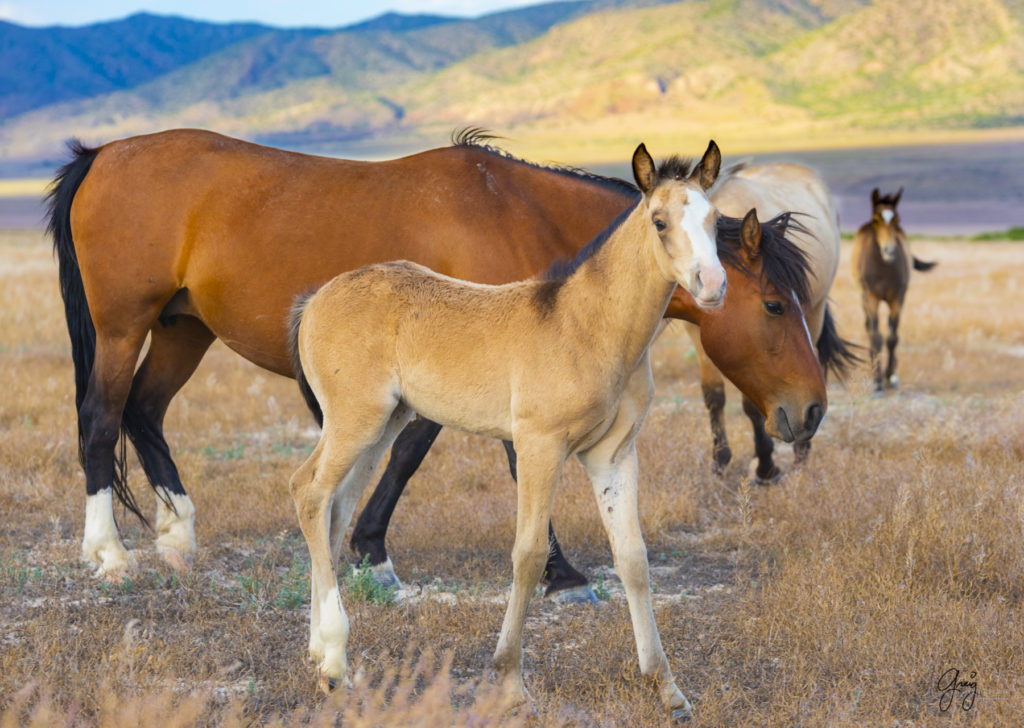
(783, 263)
(674, 168)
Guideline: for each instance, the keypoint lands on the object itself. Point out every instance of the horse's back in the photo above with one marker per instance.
(786, 187)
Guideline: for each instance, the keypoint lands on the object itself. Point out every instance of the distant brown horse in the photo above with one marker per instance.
(186, 236)
(881, 265)
(557, 364)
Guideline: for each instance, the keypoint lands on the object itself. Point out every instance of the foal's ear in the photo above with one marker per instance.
(874, 197)
(710, 165)
(896, 199)
(750, 234)
(643, 169)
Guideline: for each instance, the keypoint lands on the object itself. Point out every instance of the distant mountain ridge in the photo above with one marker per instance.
(563, 72)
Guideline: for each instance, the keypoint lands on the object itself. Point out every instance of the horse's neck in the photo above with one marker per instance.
(620, 293)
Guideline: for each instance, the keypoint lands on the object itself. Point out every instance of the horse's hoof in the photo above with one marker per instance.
(175, 559)
(574, 595)
(774, 475)
(384, 574)
(327, 684)
(682, 715)
(894, 381)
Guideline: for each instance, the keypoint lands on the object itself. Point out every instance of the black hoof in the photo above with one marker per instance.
(574, 595)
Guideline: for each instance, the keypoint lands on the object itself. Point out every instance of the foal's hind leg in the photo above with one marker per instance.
(891, 378)
(174, 353)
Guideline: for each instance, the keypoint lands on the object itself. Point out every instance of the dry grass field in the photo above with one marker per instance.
(839, 597)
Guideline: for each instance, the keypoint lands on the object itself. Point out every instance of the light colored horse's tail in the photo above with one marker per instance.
(294, 319)
(923, 265)
(835, 353)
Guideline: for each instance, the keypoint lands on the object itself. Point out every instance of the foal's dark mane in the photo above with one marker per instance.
(888, 199)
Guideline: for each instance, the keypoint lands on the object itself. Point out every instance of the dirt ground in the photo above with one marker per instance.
(842, 596)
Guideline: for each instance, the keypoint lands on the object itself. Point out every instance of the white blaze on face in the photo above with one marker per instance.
(887, 216)
(698, 225)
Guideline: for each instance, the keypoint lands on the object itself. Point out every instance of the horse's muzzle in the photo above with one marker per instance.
(780, 424)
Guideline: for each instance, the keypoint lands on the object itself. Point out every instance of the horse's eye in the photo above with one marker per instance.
(660, 225)
(774, 308)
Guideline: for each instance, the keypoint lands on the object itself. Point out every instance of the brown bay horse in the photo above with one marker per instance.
(186, 236)
(881, 266)
(557, 364)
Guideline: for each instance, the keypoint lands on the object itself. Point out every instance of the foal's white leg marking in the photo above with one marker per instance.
(705, 249)
(176, 529)
(615, 487)
(333, 630)
(101, 546)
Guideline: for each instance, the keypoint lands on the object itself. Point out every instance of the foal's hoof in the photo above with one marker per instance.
(681, 716)
(574, 595)
(774, 475)
(894, 382)
(328, 684)
(384, 574)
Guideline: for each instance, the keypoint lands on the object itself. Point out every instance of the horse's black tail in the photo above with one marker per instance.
(923, 265)
(76, 309)
(294, 319)
(835, 353)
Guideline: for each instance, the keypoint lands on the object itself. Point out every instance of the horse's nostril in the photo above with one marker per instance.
(813, 416)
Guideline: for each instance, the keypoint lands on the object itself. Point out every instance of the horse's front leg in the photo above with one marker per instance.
(713, 387)
(612, 467)
(891, 378)
(870, 302)
(566, 585)
(764, 447)
(539, 467)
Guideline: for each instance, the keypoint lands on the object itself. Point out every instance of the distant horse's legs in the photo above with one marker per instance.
(870, 305)
(368, 536)
(99, 420)
(565, 584)
(539, 465)
(891, 378)
(767, 471)
(174, 353)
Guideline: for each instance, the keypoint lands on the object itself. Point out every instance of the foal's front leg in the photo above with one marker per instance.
(891, 378)
(612, 467)
(870, 302)
(539, 467)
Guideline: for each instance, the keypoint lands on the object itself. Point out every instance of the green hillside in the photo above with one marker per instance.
(578, 81)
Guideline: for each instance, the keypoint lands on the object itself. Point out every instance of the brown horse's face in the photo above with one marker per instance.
(885, 221)
(759, 339)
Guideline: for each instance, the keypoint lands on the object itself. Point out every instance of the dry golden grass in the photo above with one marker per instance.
(838, 597)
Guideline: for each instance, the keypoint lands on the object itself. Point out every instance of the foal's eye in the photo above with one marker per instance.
(660, 225)
(774, 308)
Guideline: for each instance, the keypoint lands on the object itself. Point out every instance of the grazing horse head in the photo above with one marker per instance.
(685, 220)
(769, 280)
(885, 221)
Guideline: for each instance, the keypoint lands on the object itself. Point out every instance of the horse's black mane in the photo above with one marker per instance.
(474, 136)
(784, 265)
(890, 200)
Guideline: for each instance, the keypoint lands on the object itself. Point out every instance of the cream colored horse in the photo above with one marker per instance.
(773, 189)
(558, 364)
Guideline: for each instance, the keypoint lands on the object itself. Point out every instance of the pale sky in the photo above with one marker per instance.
(281, 13)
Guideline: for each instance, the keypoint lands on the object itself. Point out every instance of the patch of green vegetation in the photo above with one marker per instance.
(1015, 234)
(295, 587)
(363, 587)
(600, 591)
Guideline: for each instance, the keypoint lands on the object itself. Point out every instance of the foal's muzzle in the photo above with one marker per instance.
(711, 283)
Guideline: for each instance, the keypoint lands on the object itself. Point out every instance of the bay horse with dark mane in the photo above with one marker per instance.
(186, 236)
(881, 266)
(556, 364)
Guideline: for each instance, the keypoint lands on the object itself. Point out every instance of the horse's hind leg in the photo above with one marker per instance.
(174, 353)
(891, 378)
(99, 421)
(766, 471)
(368, 536)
